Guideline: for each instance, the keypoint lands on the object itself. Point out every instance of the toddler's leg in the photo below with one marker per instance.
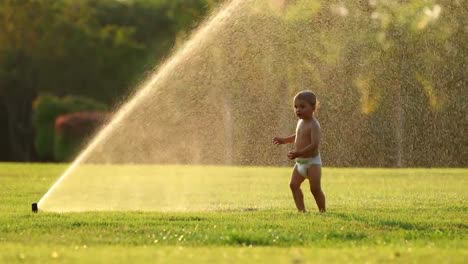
(296, 180)
(315, 174)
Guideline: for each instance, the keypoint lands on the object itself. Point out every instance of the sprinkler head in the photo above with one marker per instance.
(34, 208)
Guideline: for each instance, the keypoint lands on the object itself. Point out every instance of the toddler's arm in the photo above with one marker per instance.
(286, 140)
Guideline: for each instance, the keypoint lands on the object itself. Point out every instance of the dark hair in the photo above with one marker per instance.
(307, 96)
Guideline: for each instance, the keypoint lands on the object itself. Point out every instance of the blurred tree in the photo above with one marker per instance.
(399, 68)
(405, 59)
(20, 31)
(54, 46)
(94, 48)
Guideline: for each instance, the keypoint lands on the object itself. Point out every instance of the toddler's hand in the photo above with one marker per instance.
(293, 154)
(278, 141)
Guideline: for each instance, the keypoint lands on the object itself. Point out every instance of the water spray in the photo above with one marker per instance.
(212, 25)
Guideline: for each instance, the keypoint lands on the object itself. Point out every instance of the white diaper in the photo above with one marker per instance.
(302, 164)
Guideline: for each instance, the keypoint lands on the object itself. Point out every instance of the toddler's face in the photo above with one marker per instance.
(303, 109)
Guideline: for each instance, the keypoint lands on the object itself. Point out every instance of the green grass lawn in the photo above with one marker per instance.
(374, 216)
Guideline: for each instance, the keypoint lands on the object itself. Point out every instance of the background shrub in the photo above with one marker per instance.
(46, 110)
(72, 130)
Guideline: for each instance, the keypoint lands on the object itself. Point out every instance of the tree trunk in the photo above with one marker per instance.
(399, 126)
(20, 130)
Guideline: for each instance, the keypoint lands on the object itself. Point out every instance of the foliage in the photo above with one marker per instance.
(47, 109)
(401, 66)
(94, 48)
(72, 130)
(404, 59)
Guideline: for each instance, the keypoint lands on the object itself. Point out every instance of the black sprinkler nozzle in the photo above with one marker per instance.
(34, 208)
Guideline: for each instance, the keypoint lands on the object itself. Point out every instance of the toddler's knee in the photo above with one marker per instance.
(316, 190)
(294, 186)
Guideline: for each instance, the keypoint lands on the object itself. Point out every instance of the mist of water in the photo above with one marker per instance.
(219, 100)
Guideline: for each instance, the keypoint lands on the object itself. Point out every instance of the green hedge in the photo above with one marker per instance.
(46, 110)
(71, 132)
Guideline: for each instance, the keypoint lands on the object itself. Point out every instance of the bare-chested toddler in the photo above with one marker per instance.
(307, 141)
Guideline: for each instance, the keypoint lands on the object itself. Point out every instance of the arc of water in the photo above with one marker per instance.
(210, 26)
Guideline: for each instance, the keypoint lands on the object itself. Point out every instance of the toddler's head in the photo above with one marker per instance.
(305, 104)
